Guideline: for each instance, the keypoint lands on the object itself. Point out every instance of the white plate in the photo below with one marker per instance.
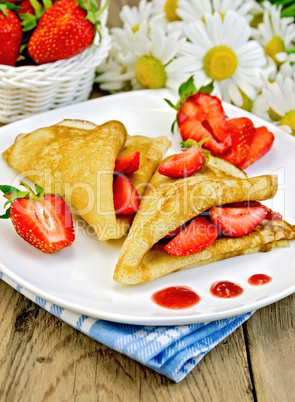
(80, 277)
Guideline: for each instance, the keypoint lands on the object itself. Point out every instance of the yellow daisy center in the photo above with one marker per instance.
(220, 63)
(289, 120)
(150, 72)
(170, 8)
(135, 28)
(273, 47)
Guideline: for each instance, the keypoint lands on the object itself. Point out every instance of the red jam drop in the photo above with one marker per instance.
(225, 289)
(176, 297)
(259, 279)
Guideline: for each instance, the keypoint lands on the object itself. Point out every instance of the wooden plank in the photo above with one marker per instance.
(43, 359)
(270, 333)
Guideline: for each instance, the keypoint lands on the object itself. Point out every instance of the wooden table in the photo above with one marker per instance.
(43, 359)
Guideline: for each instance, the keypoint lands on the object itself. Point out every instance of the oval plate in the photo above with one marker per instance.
(80, 277)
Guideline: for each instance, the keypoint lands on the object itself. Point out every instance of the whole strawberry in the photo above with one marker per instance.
(43, 220)
(10, 35)
(62, 32)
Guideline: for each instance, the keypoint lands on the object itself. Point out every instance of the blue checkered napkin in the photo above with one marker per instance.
(172, 351)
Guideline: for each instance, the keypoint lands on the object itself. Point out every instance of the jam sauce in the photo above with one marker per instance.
(176, 297)
(225, 289)
(259, 279)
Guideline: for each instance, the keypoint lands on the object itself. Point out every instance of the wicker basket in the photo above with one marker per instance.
(32, 89)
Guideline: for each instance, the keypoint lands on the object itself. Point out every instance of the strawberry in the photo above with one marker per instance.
(273, 216)
(194, 238)
(62, 32)
(242, 131)
(184, 164)
(126, 198)
(202, 116)
(260, 145)
(10, 34)
(175, 231)
(25, 7)
(237, 219)
(128, 163)
(43, 220)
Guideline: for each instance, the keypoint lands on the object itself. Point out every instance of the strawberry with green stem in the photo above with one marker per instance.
(65, 29)
(43, 220)
(201, 115)
(10, 34)
(186, 163)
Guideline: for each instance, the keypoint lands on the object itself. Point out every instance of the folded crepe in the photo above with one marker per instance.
(169, 203)
(77, 159)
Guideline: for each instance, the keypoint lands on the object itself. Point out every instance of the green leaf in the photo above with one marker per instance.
(187, 88)
(173, 126)
(6, 215)
(7, 189)
(47, 4)
(171, 104)
(188, 143)
(39, 190)
(15, 195)
(28, 21)
(37, 8)
(203, 140)
(207, 89)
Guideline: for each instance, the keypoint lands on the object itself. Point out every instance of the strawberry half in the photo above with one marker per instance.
(260, 145)
(242, 131)
(184, 164)
(43, 220)
(128, 163)
(237, 219)
(126, 198)
(194, 238)
(202, 116)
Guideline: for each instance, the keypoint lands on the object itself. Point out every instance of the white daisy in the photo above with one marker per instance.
(224, 53)
(280, 99)
(276, 34)
(149, 61)
(133, 16)
(167, 8)
(192, 10)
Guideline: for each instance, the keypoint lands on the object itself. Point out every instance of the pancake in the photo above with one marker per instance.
(169, 203)
(76, 159)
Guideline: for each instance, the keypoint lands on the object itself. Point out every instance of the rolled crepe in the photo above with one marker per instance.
(76, 159)
(169, 203)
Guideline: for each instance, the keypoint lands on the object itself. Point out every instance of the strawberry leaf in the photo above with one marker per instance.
(207, 89)
(173, 126)
(188, 143)
(7, 189)
(6, 215)
(39, 190)
(187, 88)
(4, 5)
(171, 104)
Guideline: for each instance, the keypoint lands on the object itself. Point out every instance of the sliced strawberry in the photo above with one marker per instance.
(184, 164)
(242, 131)
(175, 232)
(127, 163)
(202, 116)
(261, 144)
(43, 220)
(273, 216)
(237, 219)
(194, 238)
(126, 198)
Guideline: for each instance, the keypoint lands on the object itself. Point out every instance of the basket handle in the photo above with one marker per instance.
(104, 7)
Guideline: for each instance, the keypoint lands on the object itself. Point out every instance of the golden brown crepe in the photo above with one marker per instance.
(77, 159)
(168, 203)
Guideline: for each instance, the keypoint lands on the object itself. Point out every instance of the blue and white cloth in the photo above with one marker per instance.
(172, 351)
